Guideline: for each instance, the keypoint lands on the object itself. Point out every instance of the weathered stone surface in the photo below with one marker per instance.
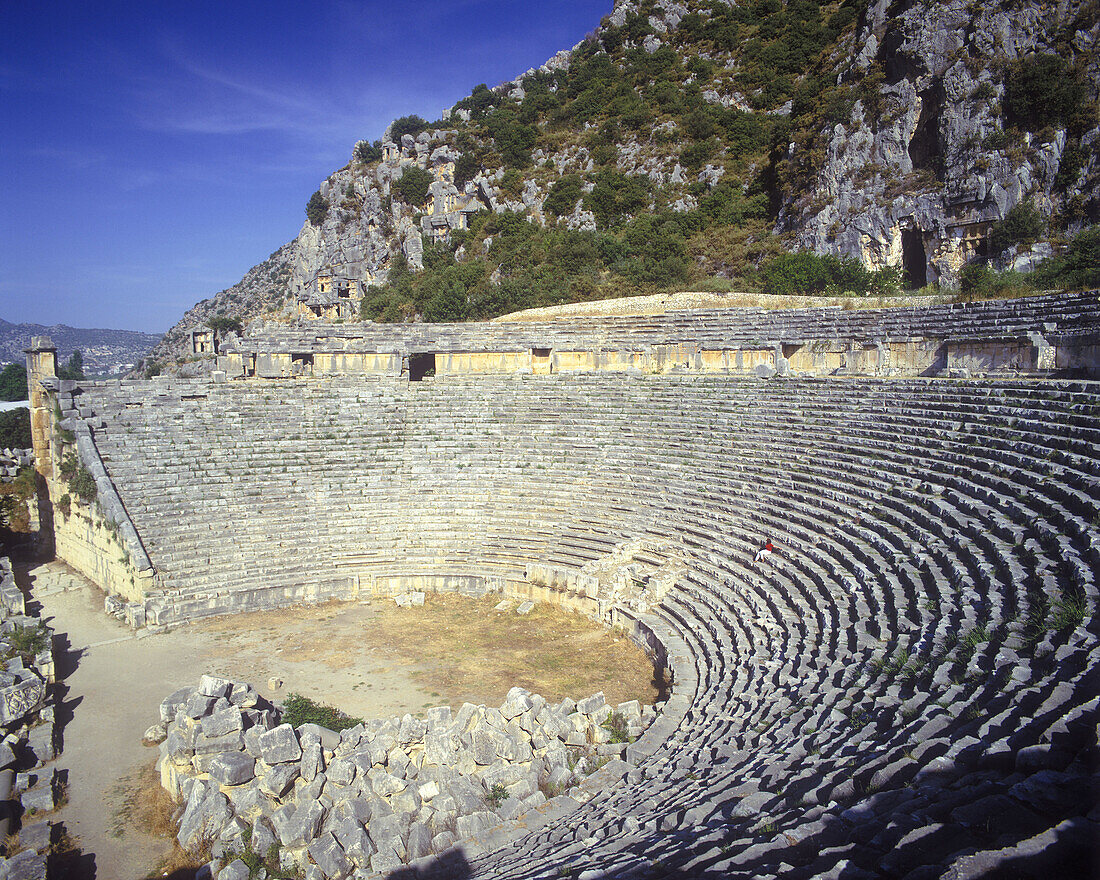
(213, 686)
(232, 768)
(235, 870)
(280, 745)
(206, 813)
(329, 856)
(312, 761)
(303, 825)
(224, 721)
(171, 704)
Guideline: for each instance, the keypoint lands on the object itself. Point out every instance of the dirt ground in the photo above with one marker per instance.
(366, 659)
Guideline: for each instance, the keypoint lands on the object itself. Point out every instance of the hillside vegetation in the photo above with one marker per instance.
(787, 146)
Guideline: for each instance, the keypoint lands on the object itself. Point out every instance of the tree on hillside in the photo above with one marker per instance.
(413, 185)
(224, 324)
(73, 368)
(13, 382)
(317, 209)
(15, 429)
(407, 125)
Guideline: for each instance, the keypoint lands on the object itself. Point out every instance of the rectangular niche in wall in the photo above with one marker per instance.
(421, 365)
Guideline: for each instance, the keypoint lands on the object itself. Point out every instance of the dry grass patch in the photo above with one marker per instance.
(466, 651)
(144, 806)
(457, 648)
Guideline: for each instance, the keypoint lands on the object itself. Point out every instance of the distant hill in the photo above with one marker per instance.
(105, 351)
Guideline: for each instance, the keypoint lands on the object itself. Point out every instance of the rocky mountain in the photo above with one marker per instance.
(691, 143)
(104, 351)
(263, 287)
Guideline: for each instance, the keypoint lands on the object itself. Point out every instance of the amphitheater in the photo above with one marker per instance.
(907, 687)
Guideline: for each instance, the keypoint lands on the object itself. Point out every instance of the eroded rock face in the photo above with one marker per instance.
(916, 181)
(382, 793)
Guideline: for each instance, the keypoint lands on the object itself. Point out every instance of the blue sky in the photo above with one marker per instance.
(152, 153)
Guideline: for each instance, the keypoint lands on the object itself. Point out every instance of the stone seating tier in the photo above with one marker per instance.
(1057, 314)
(911, 679)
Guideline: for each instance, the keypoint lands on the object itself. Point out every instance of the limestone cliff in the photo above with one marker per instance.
(922, 165)
(864, 128)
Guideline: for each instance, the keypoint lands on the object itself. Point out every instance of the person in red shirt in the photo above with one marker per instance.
(764, 551)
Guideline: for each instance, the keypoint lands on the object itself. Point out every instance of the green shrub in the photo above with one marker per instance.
(224, 324)
(564, 195)
(1042, 90)
(299, 710)
(407, 125)
(614, 196)
(1021, 225)
(1079, 267)
(73, 368)
(616, 726)
(975, 277)
(979, 279)
(366, 151)
(317, 209)
(512, 183)
(997, 139)
(696, 155)
(412, 187)
(27, 641)
(83, 484)
(69, 466)
(13, 382)
(497, 795)
(800, 273)
(805, 273)
(15, 428)
(514, 140)
(466, 169)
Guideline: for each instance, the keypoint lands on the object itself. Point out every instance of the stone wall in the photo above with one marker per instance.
(813, 341)
(93, 534)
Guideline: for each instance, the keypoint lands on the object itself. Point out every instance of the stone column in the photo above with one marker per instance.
(41, 367)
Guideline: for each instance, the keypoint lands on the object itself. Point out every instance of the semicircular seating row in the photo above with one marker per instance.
(910, 680)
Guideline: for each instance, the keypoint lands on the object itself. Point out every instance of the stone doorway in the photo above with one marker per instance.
(913, 259)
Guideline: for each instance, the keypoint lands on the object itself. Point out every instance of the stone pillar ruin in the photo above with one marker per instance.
(41, 367)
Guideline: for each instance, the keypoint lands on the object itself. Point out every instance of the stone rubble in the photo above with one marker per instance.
(382, 793)
(29, 788)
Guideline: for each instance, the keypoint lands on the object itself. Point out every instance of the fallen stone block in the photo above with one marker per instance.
(280, 745)
(39, 799)
(198, 706)
(205, 815)
(329, 856)
(384, 861)
(155, 734)
(232, 768)
(35, 836)
(222, 721)
(27, 865)
(235, 870)
(278, 779)
(304, 824)
(171, 704)
(213, 686)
